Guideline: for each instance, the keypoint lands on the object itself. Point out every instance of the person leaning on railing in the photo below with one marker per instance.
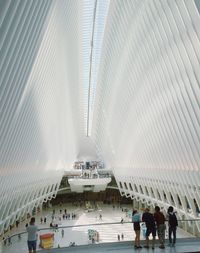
(161, 227)
(173, 223)
(136, 226)
(149, 220)
(32, 236)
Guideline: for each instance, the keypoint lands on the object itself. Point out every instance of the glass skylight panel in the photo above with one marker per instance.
(92, 22)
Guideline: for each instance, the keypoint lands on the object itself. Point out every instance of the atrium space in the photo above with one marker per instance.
(99, 103)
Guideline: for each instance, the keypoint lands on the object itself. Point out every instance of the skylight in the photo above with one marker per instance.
(94, 19)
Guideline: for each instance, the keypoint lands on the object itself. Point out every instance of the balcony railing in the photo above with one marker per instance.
(99, 233)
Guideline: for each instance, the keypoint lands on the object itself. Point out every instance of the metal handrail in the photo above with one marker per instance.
(91, 224)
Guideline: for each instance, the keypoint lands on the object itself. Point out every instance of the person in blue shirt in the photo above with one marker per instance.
(32, 236)
(136, 226)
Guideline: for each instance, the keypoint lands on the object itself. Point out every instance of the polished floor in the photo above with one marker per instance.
(183, 246)
(108, 232)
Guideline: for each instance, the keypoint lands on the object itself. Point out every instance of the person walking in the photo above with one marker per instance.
(9, 240)
(149, 220)
(4, 241)
(136, 226)
(118, 237)
(160, 224)
(32, 236)
(173, 223)
(62, 232)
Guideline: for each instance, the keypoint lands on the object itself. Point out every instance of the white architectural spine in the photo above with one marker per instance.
(147, 111)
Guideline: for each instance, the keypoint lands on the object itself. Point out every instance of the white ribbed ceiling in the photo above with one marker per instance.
(125, 72)
(147, 110)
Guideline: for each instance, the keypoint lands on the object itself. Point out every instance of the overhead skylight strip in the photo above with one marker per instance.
(90, 70)
(99, 19)
(87, 15)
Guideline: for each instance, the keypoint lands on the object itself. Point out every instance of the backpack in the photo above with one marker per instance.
(173, 220)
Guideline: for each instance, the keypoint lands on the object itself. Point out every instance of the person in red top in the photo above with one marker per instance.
(160, 224)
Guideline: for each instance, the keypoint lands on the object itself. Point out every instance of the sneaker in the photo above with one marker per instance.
(137, 247)
(161, 246)
(153, 248)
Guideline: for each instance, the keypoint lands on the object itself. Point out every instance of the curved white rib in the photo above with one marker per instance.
(147, 117)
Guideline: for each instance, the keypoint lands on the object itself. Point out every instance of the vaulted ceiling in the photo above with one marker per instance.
(124, 74)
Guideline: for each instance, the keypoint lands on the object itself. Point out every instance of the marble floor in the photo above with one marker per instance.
(108, 232)
(188, 246)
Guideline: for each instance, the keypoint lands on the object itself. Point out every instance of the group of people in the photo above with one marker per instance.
(122, 237)
(65, 215)
(155, 224)
(43, 220)
(7, 241)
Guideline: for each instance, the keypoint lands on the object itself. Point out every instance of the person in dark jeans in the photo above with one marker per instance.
(173, 223)
(149, 220)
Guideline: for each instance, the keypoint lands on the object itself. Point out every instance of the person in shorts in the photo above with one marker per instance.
(32, 236)
(149, 220)
(136, 226)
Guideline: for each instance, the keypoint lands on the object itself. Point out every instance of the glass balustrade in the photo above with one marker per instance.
(98, 232)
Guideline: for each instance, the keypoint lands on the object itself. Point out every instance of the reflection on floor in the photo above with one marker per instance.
(183, 246)
(79, 235)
